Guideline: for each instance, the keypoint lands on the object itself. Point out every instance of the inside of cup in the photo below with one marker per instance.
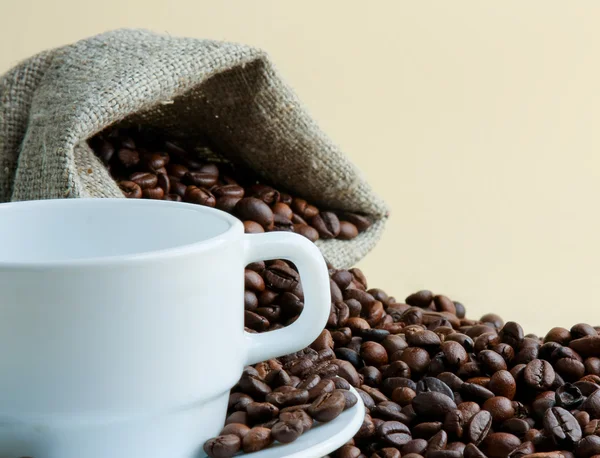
(78, 229)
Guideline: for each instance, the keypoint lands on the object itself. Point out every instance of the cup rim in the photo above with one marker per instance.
(235, 226)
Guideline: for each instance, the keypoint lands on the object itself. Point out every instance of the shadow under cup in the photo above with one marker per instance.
(121, 325)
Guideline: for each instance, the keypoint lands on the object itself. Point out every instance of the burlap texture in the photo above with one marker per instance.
(53, 102)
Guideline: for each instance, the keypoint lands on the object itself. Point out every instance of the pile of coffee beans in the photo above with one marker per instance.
(148, 166)
(435, 384)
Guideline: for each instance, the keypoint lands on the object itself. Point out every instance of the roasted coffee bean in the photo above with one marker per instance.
(426, 430)
(200, 196)
(403, 396)
(130, 189)
(450, 379)
(349, 451)
(511, 334)
(224, 446)
(374, 354)
(281, 278)
(297, 414)
(500, 445)
(587, 346)
(257, 439)
(254, 387)
(260, 412)
(239, 401)
(371, 376)
(144, 180)
(348, 231)
(433, 405)
(251, 208)
(237, 429)
(351, 399)
(153, 193)
(562, 426)
(327, 224)
(416, 358)
(454, 352)
(128, 157)
(471, 391)
(422, 299)
(587, 447)
(479, 427)
(394, 433)
(592, 428)
(500, 407)
(389, 410)
(539, 374)
(502, 383)
(327, 406)
(568, 396)
(431, 384)
(592, 405)
(287, 431)
(516, 426)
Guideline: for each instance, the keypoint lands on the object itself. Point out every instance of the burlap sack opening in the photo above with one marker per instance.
(52, 103)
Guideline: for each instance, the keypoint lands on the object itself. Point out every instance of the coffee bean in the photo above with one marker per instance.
(431, 384)
(374, 354)
(256, 439)
(200, 196)
(433, 405)
(327, 224)
(437, 442)
(475, 392)
(389, 410)
(297, 414)
(224, 446)
(251, 208)
(502, 383)
(454, 352)
(281, 278)
(387, 452)
(568, 396)
(349, 451)
(479, 427)
(511, 334)
(516, 426)
(420, 299)
(587, 447)
(416, 358)
(500, 407)
(287, 431)
(130, 189)
(348, 231)
(491, 362)
(592, 428)
(500, 445)
(587, 346)
(394, 433)
(539, 374)
(128, 157)
(237, 429)
(254, 387)
(562, 426)
(592, 405)
(144, 180)
(327, 406)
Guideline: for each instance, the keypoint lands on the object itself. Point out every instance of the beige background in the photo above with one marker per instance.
(478, 121)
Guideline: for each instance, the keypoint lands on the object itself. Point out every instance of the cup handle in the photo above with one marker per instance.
(315, 284)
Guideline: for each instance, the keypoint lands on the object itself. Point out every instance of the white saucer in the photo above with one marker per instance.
(323, 438)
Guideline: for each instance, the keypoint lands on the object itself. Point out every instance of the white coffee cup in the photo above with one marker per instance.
(122, 324)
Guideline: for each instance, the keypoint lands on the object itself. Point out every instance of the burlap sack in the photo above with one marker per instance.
(53, 102)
